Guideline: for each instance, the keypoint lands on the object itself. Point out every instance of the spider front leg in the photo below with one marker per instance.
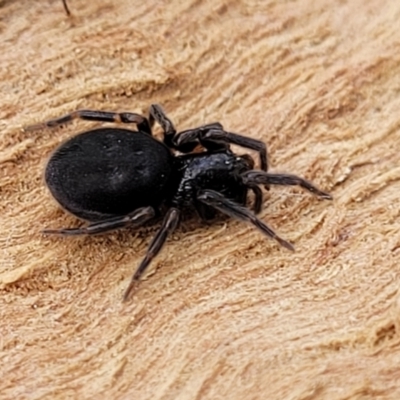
(95, 115)
(219, 202)
(214, 137)
(211, 136)
(253, 177)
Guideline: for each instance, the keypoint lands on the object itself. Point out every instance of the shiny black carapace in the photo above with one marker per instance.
(115, 177)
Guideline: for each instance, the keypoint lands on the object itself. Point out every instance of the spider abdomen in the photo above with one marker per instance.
(109, 172)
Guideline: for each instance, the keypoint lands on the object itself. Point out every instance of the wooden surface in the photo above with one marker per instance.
(225, 313)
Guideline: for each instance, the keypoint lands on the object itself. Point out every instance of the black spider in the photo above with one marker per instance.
(115, 177)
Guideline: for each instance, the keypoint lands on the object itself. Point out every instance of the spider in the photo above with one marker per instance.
(112, 177)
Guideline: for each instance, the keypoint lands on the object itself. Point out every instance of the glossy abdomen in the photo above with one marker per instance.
(108, 172)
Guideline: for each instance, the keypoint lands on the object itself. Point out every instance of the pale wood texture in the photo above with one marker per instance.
(226, 313)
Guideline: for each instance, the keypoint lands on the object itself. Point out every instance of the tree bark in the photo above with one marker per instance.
(224, 312)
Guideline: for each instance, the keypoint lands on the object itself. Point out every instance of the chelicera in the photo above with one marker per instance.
(112, 177)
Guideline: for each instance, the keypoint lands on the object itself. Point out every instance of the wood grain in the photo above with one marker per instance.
(224, 313)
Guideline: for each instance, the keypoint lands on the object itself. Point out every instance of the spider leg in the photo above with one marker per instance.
(157, 114)
(66, 7)
(264, 178)
(205, 212)
(234, 210)
(213, 137)
(136, 218)
(170, 222)
(258, 197)
(95, 115)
